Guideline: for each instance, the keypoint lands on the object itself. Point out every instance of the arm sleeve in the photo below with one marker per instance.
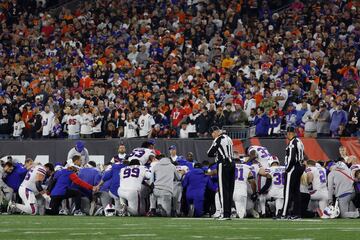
(107, 176)
(51, 185)
(214, 147)
(185, 182)
(86, 155)
(76, 180)
(266, 186)
(291, 157)
(210, 185)
(38, 186)
(70, 154)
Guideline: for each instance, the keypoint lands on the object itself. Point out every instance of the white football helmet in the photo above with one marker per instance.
(332, 211)
(110, 210)
(274, 159)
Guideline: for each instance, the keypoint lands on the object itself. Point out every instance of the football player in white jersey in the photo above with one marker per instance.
(258, 171)
(131, 178)
(144, 155)
(263, 155)
(317, 183)
(275, 185)
(243, 177)
(32, 187)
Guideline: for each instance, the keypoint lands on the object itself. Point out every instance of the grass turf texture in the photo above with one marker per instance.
(106, 228)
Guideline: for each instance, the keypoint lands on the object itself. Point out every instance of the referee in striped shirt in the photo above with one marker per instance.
(294, 169)
(222, 149)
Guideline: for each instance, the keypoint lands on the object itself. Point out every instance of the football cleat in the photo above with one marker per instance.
(10, 207)
(64, 212)
(223, 219)
(254, 213)
(79, 213)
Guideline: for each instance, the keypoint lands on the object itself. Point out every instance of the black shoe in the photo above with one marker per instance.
(294, 218)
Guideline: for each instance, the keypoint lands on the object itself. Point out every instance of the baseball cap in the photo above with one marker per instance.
(290, 129)
(80, 145)
(214, 128)
(172, 147)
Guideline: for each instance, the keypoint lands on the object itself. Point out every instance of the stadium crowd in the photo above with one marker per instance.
(146, 182)
(117, 68)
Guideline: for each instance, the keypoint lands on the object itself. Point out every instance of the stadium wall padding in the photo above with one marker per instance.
(317, 149)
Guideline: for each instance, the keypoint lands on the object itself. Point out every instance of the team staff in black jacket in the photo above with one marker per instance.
(222, 149)
(294, 169)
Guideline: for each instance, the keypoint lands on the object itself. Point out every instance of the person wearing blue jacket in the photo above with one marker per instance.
(181, 160)
(61, 188)
(196, 183)
(262, 123)
(338, 118)
(92, 176)
(112, 178)
(15, 174)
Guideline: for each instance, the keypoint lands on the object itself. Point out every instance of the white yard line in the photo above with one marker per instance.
(138, 235)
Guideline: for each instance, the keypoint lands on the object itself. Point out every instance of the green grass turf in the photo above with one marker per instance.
(106, 228)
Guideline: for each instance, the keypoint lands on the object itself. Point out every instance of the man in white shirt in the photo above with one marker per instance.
(79, 150)
(73, 124)
(78, 101)
(280, 94)
(47, 121)
(86, 123)
(145, 122)
(173, 154)
(249, 103)
(19, 126)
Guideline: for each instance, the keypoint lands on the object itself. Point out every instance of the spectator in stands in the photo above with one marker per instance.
(323, 121)
(290, 116)
(203, 123)
(309, 119)
(18, 127)
(227, 112)
(146, 123)
(354, 121)
(130, 127)
(262, 123)
(5, 124)
(249, 103)
(219, 119)
(238, 117)
(158, 61)
(274, 124)
(338, 120)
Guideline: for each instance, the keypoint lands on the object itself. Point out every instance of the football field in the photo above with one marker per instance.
(106, 228)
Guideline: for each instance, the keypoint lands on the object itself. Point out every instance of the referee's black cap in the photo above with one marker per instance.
(290, 129)
(214, 128)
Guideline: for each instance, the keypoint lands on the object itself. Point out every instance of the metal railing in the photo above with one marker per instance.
(237, 132)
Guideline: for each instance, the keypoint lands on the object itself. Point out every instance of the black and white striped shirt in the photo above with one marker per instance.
(294, 153)
(221, 148)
